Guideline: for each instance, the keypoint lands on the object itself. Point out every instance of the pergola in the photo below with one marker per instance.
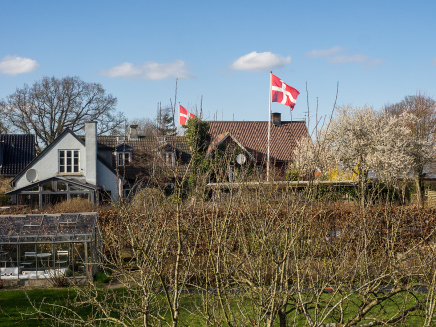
(35, 245)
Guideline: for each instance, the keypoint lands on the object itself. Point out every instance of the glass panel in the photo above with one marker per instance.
(10, 229)
(61, 186)
(69, 162)
(48, 187)
(44, 256)
(33, 189)
(76, 188)
(29, 199)
(68, 218)
(56, 198)
(31, 226)
(8, 255)
(76, 161)
(48, 228)
(126, 159)
(28, 257)
(61, 161)
(79, 195)
(120, 159)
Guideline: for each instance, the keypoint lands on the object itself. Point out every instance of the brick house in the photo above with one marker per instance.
(253, 137)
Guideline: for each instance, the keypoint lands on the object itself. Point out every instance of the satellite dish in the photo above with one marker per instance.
(32, 175)
(241, 159)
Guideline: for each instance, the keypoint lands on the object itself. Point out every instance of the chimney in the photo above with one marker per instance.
(133, 132)
(91, 151)
(276, 118)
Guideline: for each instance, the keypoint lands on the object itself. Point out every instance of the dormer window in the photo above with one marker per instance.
(124, 158)
(123, 154)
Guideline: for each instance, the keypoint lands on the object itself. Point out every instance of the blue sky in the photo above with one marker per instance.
(379, 51)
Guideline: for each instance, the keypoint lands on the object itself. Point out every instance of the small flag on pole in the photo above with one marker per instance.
(184, 115)
(283, 93)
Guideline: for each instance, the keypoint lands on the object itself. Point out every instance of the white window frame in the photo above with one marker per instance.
(63, 166)
(121, 158)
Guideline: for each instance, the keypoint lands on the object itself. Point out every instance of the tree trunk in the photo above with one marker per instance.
(419, 191)
(282, 317)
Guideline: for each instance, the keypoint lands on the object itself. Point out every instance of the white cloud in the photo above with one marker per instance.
(324, 53)
(332, 55)
(150, 70)
(433, 62)
(370, 64)
(13, 65)
(345, 58)
(260, 62)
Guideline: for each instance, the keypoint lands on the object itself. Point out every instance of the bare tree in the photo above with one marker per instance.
(146, 126)
(165, 121)
(51, 105)
(423, 129)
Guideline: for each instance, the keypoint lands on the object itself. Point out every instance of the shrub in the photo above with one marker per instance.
(58, 279)
(74, 205)
(5, 199)
(102, 277)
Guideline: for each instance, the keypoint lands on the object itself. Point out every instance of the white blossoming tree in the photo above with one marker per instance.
(372, 146)
(424, 132)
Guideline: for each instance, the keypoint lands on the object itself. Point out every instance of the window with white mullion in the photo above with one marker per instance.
(69, 161)
(124, 159)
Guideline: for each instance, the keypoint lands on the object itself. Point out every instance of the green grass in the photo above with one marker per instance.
(14, 303)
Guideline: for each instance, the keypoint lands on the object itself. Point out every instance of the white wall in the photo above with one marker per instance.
(107, 179)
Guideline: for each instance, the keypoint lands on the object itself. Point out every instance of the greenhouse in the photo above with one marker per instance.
(39, 246)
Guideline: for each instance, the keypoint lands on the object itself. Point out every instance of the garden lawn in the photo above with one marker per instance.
(16, 311)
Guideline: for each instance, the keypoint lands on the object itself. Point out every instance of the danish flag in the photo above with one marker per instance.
(184, 115)
(283, 93)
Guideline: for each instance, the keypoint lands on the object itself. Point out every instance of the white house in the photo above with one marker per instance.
(69, 167)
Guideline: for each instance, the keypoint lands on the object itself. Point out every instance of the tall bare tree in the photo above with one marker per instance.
(51, 105)
(423, 129)
(146, 126)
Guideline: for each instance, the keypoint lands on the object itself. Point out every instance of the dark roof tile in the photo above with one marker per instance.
(17, 150)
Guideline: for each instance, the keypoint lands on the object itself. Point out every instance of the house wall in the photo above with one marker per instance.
(106, 180)
(48, 165)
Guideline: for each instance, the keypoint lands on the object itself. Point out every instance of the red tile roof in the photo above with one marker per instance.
(253, 135)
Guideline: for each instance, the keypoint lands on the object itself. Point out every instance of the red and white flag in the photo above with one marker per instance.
(283, 93)
(184, 115)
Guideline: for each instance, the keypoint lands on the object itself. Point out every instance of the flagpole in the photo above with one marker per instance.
(269, 126)
(178, 125)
